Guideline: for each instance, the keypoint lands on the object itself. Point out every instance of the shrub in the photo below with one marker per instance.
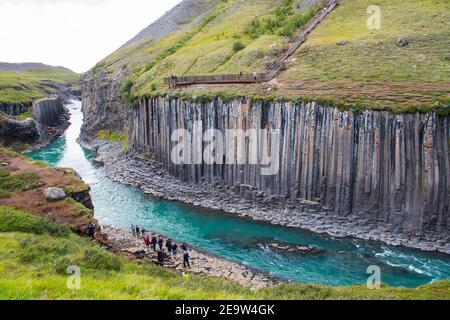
(100, 259)
(19, 183)
(13, 220)
(284, 22)
(128, 96)
(4, 194)
(61, 264)
(238, 46)
(3, 173)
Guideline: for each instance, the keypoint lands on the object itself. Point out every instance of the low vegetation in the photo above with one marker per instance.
(120, 136)
(18, 183)
(343, 47)
(284, 21)
(22, 87)
(35, 256)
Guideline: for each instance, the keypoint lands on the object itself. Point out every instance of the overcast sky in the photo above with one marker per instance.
(72, 33)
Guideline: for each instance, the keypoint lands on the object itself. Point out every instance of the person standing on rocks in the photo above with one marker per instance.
(133, 230)
(160, 243)
(186, 259)
(143, 231)
(161, 257)
(169, 246)
(147, 242)
(138, 231)
(154, 242)
(174, 249)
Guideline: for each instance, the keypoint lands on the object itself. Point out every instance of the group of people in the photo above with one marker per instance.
(156, 243)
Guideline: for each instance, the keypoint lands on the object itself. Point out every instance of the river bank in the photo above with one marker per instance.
(258, 246)
(123, 242)
(154, 181)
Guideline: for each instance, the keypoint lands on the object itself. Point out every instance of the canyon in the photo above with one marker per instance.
(49, 118)
(371, 166)
(373, 172)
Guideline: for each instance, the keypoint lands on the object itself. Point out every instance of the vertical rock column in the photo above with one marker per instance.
(375, 165)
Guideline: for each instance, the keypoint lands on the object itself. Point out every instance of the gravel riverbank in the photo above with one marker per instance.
(201, 263)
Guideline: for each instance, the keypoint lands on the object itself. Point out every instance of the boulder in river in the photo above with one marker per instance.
(294, 249)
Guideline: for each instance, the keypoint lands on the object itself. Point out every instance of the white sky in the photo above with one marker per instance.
(72, 33)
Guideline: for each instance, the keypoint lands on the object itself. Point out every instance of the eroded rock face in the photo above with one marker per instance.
(49, 112)
(14, 132)
(12, 109)
(103, 106)
(375, 165)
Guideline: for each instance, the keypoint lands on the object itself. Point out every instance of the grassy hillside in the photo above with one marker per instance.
(373, 55)
(368, 69)
(236, 36)
(21, 85)
(35, 255)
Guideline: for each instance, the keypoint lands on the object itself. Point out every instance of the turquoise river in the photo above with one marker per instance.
(344, 261)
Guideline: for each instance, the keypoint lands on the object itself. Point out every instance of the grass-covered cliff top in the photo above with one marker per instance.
(23, 181)
(23, 83)
(342, 59)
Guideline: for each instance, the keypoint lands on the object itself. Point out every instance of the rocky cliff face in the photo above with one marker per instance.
(13, 132)
(103, 106)
(374, 165)
(49, 120)
(48, 112)
(12, 109)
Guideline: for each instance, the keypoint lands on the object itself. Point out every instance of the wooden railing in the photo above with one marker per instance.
(223, 78)
(271, 70)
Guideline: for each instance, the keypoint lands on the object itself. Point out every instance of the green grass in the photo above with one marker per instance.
(120, 136)
(13, 220)
(373, 55)
(207, 48)
(80, 209)
(18, 183)
(24, 87)
(4, 194)
(25, 115)
(211, 49)
(35, 255)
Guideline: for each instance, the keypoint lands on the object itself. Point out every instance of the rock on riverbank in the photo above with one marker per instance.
(201, 263)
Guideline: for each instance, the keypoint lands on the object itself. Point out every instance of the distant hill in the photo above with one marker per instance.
(31, 66)
(21, 83)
